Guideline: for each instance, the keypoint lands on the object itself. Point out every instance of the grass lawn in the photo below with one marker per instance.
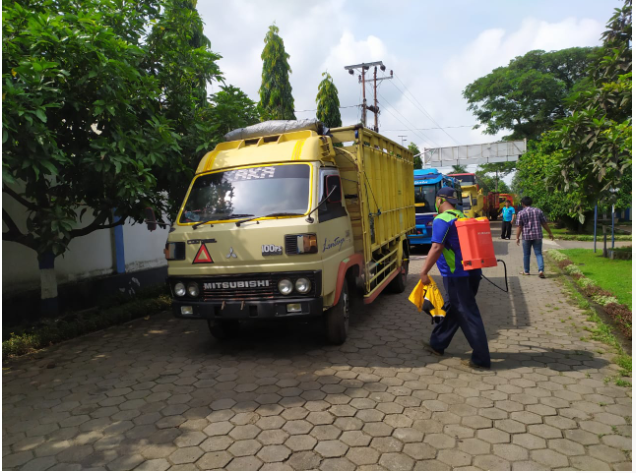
(612, 275)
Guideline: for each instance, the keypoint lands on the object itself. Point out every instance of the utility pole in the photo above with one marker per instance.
(363, 80)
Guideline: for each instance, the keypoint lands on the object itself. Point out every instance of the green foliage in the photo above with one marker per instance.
(459, 169)
(527, 95)
(595, 142)
(178, 55)
(417, 161)
(101, 103)
(328, 102)
(276, 91)
(534, 168)
(614, 276)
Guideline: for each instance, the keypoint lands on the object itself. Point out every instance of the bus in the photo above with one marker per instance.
(427, 183)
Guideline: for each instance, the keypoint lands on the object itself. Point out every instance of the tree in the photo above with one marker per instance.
(178, 55)
(490, 184)
(527, 95)
(276, 91)
(594, 144)
(93, 116)
(417, 160)
(459, 169)
(494, 183)
(328, 103)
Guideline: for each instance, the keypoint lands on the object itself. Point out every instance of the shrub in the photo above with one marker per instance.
(76, 324)
(584, 282)
(556, 255)
(573, 269)
(604, 300)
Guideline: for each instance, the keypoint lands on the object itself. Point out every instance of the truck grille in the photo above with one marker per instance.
(253, 287)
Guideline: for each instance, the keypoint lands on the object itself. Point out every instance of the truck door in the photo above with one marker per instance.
(335, 238)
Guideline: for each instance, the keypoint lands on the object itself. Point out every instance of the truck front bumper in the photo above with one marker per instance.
(245, 310)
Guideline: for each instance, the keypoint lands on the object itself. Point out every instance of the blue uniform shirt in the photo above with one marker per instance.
(445, 233)
(507, 213)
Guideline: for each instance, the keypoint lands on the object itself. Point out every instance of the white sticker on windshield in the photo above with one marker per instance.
(249, 174)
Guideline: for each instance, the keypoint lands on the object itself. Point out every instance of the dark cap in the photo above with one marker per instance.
(449, 194)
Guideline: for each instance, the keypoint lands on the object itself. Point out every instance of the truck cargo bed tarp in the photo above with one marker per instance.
(275, 127)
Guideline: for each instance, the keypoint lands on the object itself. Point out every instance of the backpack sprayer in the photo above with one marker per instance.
(478, 251)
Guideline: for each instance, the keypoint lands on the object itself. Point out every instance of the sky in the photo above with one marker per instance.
(434, 48)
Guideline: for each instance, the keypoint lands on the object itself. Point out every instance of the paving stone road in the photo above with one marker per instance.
(158, 394)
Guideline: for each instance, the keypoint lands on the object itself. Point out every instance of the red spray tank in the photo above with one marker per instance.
(475, 241)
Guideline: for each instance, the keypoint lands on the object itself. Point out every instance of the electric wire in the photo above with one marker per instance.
(436, 128)
(421, 135)
(421, 107)
(314, 109)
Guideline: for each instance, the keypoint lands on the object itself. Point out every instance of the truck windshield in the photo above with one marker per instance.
(248, 192)
(425, 197)
(467, 180)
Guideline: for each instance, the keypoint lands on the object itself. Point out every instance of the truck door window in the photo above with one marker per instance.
(333, 206)
(246, 192)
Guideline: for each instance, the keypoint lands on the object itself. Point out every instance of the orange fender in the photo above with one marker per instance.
(355, 259)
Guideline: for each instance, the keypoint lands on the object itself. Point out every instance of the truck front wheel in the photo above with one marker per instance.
(224, 329)
(338, 317)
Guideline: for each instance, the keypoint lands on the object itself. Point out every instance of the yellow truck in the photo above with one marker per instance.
(472, 201)
(292, 221)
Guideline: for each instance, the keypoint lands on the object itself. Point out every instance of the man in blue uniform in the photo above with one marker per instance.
(461, 285)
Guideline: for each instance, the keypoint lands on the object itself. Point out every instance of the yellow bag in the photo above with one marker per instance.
(429, 299)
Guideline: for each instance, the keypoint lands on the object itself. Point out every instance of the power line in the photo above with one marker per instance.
(437, 128)
(314, 109)
(422, 136)
(421, 107)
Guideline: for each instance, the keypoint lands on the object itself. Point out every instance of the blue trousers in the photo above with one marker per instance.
(527, 246)
(463, 313)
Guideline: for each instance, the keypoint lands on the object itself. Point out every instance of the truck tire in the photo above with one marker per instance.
(224, 329)
(337, 318)
(398, 285)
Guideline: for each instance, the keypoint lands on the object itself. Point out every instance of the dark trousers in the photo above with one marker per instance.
(463, 313)
(506, 230)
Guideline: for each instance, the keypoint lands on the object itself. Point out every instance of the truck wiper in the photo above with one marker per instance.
(194, 227)
(277, 214)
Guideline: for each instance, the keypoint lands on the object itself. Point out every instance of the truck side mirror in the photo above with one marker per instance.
(151, 220)
(334, 189)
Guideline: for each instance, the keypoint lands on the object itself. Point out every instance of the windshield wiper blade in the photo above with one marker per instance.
(224, 217)
(276, 214)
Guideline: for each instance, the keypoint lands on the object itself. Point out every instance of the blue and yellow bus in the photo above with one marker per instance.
(427, 183)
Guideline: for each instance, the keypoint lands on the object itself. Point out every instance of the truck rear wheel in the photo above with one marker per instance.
(337, 319)
(224, 329)
(398, 285)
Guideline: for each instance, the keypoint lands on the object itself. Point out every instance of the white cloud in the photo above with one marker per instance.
(495, 48)
(332, 34)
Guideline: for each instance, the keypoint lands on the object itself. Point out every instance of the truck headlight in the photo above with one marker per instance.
(179, 289)
(285, 287)
(193, 289)
(303, 285)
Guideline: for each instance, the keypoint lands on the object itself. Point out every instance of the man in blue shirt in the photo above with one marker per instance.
(508, 213)
(461, 285)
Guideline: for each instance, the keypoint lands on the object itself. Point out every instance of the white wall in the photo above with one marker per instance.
(88, 256)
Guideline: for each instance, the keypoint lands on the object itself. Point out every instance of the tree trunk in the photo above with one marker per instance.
(48, 285)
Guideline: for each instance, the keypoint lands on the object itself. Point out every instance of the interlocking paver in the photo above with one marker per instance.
(396, 461)
(123, 400)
